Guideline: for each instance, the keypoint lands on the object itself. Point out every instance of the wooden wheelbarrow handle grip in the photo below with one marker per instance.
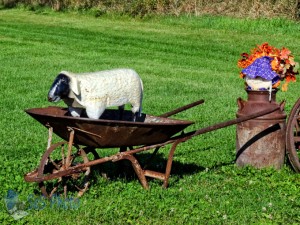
(180, 109)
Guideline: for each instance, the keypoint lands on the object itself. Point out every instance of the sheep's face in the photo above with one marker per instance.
(60, 88)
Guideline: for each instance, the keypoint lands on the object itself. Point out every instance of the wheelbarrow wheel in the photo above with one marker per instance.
(59, 157)
(293, 137)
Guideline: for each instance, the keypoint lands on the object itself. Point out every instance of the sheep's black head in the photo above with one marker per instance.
(60, 88)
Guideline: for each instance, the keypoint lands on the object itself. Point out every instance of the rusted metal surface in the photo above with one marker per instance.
(260, 142)
(293, 136)
(109, 131)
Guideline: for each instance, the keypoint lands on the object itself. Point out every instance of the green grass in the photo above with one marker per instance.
(180, 60)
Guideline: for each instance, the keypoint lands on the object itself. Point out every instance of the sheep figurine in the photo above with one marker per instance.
(96, 91)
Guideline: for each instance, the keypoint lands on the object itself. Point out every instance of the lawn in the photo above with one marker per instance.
(180, 60)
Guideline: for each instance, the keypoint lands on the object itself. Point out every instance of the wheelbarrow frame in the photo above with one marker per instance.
(124, 154)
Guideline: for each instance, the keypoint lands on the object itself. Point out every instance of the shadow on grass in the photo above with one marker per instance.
(124, 170)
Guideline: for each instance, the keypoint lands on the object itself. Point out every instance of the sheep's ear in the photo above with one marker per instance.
(74, 85)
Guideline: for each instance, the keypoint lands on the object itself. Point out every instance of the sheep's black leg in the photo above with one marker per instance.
(121, 112)
(134, 116)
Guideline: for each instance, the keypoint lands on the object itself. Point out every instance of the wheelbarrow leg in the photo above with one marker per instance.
(137, 168)
(169, 163)
(164, 176)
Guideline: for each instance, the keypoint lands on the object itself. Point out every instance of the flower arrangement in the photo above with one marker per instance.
(268, 65)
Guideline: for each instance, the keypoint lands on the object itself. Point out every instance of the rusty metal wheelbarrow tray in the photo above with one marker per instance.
(108, 131)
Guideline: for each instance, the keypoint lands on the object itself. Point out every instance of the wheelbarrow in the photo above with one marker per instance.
(66, 165)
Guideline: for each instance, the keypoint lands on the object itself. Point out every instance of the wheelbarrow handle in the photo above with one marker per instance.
(180, 109)
(232, 122)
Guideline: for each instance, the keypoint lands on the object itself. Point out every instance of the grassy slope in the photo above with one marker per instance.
(180, 60)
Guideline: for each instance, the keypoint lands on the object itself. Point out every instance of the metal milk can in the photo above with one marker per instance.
(260, 142)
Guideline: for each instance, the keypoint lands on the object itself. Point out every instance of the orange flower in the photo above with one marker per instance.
(284, 53)
(275, 64)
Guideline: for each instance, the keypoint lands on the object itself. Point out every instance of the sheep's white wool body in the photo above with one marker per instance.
(98, 90)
